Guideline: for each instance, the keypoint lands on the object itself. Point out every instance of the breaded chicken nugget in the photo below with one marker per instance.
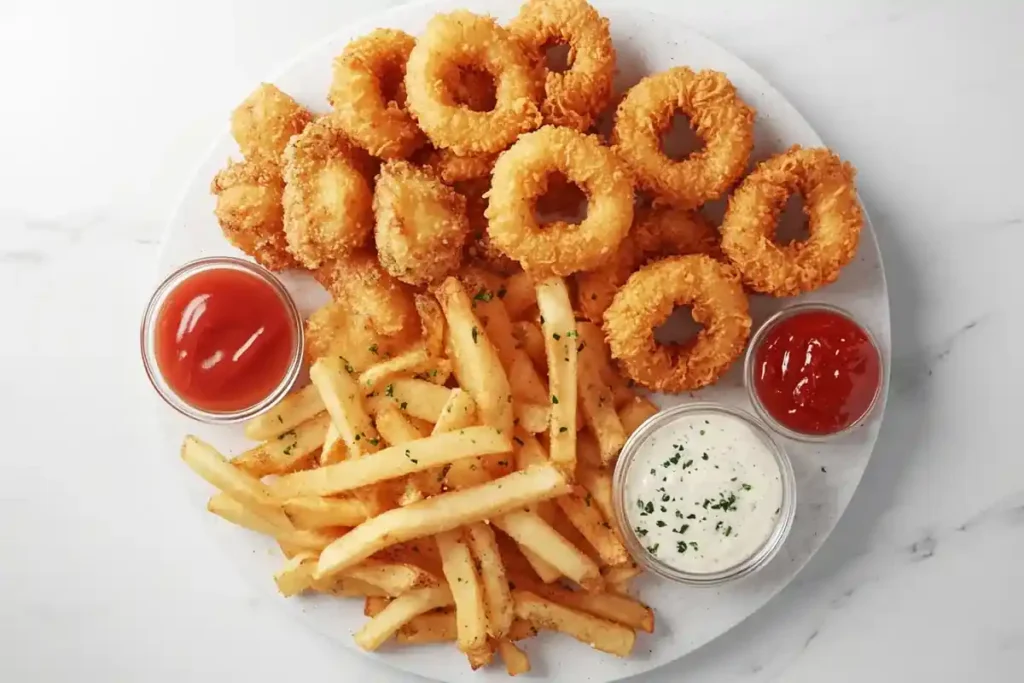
(359, 280)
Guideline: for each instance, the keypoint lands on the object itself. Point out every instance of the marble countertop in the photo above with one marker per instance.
(104, 574)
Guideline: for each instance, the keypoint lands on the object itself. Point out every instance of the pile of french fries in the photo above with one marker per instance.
(460, 485)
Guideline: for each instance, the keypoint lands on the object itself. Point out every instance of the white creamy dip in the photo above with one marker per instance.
(703, 492)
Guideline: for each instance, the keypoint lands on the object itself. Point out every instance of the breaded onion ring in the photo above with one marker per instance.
(364, 73)
(358, 280)
(717, 114)
(462, 39)
(264, 122)
(421, 224)
(521, 176)
(657, 232)
(574, 97)
(834, 221)
(249, 210)
(646, 301)
(327, 200)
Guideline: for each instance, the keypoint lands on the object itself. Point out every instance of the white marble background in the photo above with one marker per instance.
(106, 108)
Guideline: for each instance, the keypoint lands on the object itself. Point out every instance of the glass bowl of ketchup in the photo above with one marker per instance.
(222, 340)
(812, 372)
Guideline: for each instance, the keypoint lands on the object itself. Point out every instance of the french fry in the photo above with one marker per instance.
(621, 609)
(592, 339)
(296, 575)
(459, 412)
(392, 462)
(522, 629)
(598, 404)
(434, 627)
(394, 578)
(467, 590)
(635, 412)
(588, 451)
(598, 484)
(436, 371)
(399, 612)
(250, 492)
(547, 572)
(583, 513)
(477, 364)
(534, 418)
(440, 513)
(293, 410)
(394, 427)
(415, 397)
(559, 326)
(334, 449)
(431, 324)
(481, 656)
(531, 340)
(374, 605)
(344, 402)
(519, 295)
(497, 596)
(527, 384)
(530, 531)
(316, 512)
(408, 362)
(226, 507)
(600, 634)
(490, 311)
(287, 451)
(618, 578)
(421, 552)
(516, 661)
(344, 587)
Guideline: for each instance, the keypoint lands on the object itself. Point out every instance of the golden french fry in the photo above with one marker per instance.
(621, 609)
(316, 512)
(296, 575)
(588, 451)
(600, 634)
(519, 295)
(598, 405)
(334, 449)
(249, 491)
(481, 656)
(583, 513)
(394, 578)
(532, 417)
(592, 339)
(522, 629)
(598, 483)
(530, 531)
(618, 578)
(226, 507)
(399, 612)
(435, 627)
(293, 410)
(516, 661)
(393, 462)
(531, 340)
(394, 427)
(431, 323)
(344, 402)
(287, 451)
(415, 397)
(374, 605)
(527, 384)
(409, 362)
(459, 412)
(440, 513)
(344, 587)
(490, 311)
(466, 588)
(500, 610)
(477, 364)
(547, 572)
(635, 412)
(560, 339)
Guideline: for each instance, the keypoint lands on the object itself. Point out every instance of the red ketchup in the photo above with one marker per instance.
(224, 340)
(816, 372)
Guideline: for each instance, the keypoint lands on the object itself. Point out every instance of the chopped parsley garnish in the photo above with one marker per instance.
(682, 530)
(562, 429)
(660, 523)
(554, 399)
(408, 454)
(653, 548)
(747, 487)
(728, 531)
(681, 546)
(403, 405)
(374, 441)
(483, 295)
(572, 333)
(556, 336)
(518, 441)
(373, 348)
(475, 333)
(389, 390)
(704, 457)
(641, 532)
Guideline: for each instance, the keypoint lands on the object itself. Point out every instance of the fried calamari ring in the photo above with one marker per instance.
(462, 39)
(249, 210)
(834, 221)
(646, 301)
(657, 232)
(368, 94)
(719, 117)
(359, 281)
(421, 224)
(574, 97)
(264, 122)
(521, 176)
(327, 200)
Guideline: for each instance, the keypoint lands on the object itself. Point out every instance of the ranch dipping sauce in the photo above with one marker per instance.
(705, 492)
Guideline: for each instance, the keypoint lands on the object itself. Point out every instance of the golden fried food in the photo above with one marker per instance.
(249, 210)
(368, 94)
(657, 232)
(339, 330)
(576, 96)
(834, 220)
(266, 120)
(479, 248)
(421, 224)
(717, 114)
(472, 87)
(453, 169)
(522, 174)
(359, 280)
(462, 39)
(646, 301)
(327, 200)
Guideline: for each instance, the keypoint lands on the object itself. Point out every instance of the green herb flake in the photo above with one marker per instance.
(660, 523)
(373, 349)
(483, 295)
(653, 548)
(475, 333)
(554, 399)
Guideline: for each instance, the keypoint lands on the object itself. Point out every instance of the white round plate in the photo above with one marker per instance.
(687, 617)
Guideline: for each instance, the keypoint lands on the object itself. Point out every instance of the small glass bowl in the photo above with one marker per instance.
(759, 558)
(148, 331)
(750, 362)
